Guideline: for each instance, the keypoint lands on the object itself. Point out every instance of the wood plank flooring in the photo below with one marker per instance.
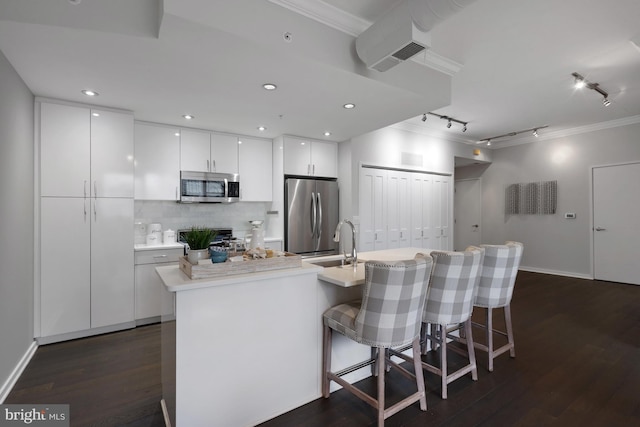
(577, 364)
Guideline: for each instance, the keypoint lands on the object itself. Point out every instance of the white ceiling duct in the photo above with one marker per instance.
(403, 31)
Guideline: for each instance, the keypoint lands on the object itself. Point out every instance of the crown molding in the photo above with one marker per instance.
(563, 133)
(353, 25)
(326, 14)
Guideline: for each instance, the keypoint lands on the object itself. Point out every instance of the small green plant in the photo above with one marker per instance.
(200, 237)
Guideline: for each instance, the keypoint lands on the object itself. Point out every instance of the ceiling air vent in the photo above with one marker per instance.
(408, 51)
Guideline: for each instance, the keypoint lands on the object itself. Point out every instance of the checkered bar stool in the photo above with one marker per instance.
(498, 278)
(450, 302)
(389, 315)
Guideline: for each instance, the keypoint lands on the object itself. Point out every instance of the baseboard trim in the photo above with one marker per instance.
(557, 272)
(17, 371)
(85, 333)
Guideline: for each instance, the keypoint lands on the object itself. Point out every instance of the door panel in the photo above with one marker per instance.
(616, 200)
(467, 212)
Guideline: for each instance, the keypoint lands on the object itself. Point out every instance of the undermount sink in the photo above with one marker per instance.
(330, 263)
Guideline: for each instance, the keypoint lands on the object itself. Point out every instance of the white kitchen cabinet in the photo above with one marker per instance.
(310, 157)
(442, 212)
(86, 253)
(85, 152)
(195, 150)
(111, 154)
(149, 288)
(224, 153)
(255, 167)
(112, 277)
(157, 162)
(65, 150)
(208, 152)
(65, 265)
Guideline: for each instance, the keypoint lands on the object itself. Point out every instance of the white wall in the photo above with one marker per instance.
(552, 243)
(16, 221)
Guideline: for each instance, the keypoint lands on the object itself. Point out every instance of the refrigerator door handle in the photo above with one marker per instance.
(319, 227)
(314, 214)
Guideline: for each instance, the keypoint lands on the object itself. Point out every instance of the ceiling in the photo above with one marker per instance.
(502, 66)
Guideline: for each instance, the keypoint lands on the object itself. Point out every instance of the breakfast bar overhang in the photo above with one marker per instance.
(244, 349)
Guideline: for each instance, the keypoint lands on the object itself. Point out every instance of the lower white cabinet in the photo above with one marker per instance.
(149, 288)
(86, 264)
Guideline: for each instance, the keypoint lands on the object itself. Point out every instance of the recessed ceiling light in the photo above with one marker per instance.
(95, 114)
(75, 2)
(89, 92)
(188, 116)
(262, 128)
(177, 134)
(349, 106)
(327, 133)
(269, 86)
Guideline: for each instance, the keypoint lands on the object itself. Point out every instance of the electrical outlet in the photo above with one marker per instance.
(570, 215)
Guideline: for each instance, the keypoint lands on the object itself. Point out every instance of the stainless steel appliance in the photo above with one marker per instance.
(208, 187)
(311, 216)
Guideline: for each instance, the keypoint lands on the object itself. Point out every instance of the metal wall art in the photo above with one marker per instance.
(531, 198)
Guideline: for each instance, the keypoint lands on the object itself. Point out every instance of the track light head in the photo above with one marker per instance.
(579, 82)
(488, 142)
(535, 133)
(449, 124)
(606, 102)
(464, 128)
(424, 117)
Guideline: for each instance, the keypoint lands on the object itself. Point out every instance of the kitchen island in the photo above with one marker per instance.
(246, 348)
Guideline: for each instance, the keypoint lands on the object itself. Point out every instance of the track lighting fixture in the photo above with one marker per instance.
(581, 82)
(448, 119)
(534, 130)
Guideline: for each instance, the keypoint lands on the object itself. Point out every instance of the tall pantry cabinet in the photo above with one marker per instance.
(86, 219)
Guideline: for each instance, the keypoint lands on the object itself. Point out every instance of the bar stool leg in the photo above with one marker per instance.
(417, 366)
(471, 350)
(443, 358)
(326, 360)
(490, 337)
(507, 318)
(381, 374)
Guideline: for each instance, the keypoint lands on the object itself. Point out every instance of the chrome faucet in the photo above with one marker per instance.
(353, 259)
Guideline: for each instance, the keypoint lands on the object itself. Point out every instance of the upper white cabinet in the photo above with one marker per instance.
(157, 162)
(208, 152)
(310, 157)
(85, 152)
(256, 167)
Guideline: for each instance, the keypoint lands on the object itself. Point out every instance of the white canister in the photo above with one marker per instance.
(140, 233)
(169, 237)
(154, 228)
(153, 239)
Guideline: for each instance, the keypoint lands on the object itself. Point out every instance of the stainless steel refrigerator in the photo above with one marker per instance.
(311, 216)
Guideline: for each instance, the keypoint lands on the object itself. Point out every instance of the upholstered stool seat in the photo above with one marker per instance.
(389, 315)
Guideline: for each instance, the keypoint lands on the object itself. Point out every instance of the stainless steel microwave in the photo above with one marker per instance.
(209, 187)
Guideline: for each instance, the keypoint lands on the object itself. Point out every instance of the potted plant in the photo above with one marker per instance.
(199, 239)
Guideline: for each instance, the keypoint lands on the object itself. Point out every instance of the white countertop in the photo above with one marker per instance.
(175, 280)
(346, 276)
(143, 247)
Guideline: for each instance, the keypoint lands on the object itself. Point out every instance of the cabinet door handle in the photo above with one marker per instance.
(95, 210)
(313, 170)
(85, 209)
(160, 256)
(208, 166)
(95, 189)
(85, 188)
(214, 166)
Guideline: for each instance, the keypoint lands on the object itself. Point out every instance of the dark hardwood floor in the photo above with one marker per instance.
(577, 364)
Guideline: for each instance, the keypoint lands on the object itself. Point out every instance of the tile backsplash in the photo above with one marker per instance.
(178, 216)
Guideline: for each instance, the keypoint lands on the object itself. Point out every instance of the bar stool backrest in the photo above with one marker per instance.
(392, 301)
(451, 289)
(499, 271)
